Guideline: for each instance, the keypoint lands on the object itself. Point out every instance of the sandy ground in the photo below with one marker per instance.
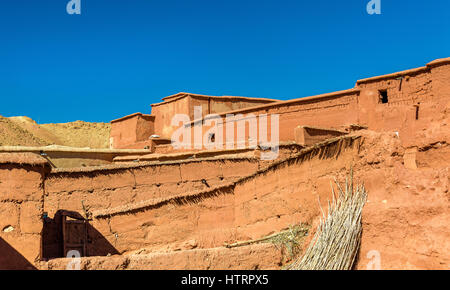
(23, 131)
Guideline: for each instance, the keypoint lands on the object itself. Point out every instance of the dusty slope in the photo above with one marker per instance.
(14, 134)
(80, 134)
(23, 131)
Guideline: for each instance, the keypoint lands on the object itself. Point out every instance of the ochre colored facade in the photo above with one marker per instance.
(392, 130)
(22, 177)
(125, 133)
(130, 130)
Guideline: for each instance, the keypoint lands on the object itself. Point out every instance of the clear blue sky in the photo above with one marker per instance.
(118, 57)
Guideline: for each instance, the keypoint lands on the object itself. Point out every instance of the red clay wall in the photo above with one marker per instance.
(103, 189)
(403, 204)
(335, 110)
(307, 136)
(417, 98)
(164, 112)
(21, 209)
(145, 127)
(404, 219)
(129, 130)
(255, 257)
(185, 104)
(250, 209)
(413, 95)
(217, 105)
(440, 74)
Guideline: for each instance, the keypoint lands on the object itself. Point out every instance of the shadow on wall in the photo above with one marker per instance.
(71, 231)
(10, 259)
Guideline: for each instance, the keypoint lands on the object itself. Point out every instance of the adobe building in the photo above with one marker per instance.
(144, 205)
(402, 102)
(135, 131)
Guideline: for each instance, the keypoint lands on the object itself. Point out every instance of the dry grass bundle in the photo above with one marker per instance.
(290, 239)
(336, 243)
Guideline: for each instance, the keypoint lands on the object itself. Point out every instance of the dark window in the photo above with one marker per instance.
(384, 97)
(212, 137)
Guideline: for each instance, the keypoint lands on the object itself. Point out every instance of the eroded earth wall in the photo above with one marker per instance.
(87, 191)
(260, 203)
(21, 208)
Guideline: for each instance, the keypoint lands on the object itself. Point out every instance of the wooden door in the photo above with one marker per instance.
(74, 236)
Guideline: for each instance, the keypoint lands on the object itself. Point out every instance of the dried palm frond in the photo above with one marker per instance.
(336, 243)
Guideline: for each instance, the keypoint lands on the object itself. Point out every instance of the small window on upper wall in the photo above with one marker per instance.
(212, 137)
(384, 99)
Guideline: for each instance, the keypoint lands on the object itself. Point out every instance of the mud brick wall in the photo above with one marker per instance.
(413, 86)
(21, 208)
(164, 112)
(103, 189)
(335, 110)
(404, 92)
(248, 209)
(307, 136)
(255, 257)
(106, 188)
(413, 95)
(290, 193)
(416, 98)
(131, 129)
(440, 74)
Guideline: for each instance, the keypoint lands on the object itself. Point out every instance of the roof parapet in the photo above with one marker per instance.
(183, 95)
(283, 103)
(131, 116)
(437, 62)
(440, 61)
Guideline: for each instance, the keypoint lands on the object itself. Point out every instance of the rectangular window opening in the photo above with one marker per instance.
(384, 99)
